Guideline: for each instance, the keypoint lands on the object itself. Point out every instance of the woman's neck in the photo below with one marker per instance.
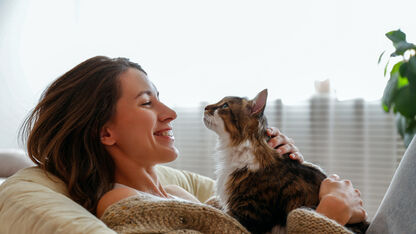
(141, 178)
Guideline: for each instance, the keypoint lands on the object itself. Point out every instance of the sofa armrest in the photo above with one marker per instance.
(29, 207)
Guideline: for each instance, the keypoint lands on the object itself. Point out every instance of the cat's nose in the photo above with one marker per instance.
(209, 109)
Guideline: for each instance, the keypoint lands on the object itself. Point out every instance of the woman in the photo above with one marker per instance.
(101, 128)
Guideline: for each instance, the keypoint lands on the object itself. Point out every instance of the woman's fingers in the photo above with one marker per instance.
(272, 131)
(278, 137)
(358, 215)
(280, 140)
(287, 148)
(296, 156)
(283, 144)
(334, 177)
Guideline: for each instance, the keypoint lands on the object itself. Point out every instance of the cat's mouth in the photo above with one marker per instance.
(208, 123)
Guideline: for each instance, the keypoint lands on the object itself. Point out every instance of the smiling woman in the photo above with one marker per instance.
(64, 129)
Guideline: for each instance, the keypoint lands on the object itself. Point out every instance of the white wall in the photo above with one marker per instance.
(199, 50)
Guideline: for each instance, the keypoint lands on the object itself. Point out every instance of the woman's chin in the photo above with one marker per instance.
(171, 154)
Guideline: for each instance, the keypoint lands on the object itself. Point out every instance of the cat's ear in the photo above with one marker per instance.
(259, 103)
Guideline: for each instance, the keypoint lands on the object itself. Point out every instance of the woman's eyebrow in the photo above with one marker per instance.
(148, 92)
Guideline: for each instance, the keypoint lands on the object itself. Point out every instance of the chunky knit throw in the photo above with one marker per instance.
(147, 214)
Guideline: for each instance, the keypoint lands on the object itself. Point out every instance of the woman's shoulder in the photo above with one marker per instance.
(112, 197)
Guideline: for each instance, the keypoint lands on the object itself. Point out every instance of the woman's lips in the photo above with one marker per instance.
(167, 133)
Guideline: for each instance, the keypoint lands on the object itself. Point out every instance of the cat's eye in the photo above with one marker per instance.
(225, 105)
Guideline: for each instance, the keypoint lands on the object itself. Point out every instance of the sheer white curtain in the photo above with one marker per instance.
(354, 139)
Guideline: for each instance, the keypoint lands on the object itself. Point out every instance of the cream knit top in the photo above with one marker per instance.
(146, 213)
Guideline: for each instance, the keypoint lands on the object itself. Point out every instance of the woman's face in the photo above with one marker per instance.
(140, 131)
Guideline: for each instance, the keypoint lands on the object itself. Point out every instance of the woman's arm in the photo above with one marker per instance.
(340, 201)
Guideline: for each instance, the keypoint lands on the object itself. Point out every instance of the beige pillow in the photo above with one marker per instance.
(32, 202)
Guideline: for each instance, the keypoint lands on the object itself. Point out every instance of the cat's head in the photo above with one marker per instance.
(238, 119)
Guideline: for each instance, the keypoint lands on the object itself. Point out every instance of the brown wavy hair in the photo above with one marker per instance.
(63, 131)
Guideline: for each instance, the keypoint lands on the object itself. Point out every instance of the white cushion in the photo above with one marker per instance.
(32, 201)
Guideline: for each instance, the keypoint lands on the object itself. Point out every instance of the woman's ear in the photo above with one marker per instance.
(107, 136)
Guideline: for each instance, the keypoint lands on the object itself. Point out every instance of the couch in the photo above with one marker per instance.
(32, 201)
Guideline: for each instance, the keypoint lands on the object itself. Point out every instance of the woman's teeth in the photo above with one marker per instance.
(165, 133)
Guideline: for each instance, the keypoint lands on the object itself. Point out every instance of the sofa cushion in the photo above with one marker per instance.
(32, 201)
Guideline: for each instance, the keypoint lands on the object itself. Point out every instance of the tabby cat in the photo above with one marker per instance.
(255, 184)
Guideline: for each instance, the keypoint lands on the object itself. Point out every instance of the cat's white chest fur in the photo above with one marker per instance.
(230, 159)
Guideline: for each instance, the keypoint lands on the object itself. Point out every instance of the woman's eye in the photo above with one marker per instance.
(147, 103)
(225, 105)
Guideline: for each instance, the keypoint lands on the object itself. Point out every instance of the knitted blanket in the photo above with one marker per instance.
(147, 214)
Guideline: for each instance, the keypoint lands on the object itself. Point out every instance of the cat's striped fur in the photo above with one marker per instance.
(255, 184)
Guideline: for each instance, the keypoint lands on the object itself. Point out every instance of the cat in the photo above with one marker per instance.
(255, 184)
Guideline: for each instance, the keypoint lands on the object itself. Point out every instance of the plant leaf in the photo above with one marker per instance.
(391, 87)
(406, 128)
(402, 81)
(380, 57)
(405, 102)
(403, 73)
(411, 70)
(401, 47)
(399, 42)
(403, 69)
(396, 36)
(400, 124)
(385, 68)
(389, 93)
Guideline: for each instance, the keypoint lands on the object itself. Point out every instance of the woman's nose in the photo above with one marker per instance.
(167, 114)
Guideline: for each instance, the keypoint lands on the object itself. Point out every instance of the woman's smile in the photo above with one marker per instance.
(165, 134)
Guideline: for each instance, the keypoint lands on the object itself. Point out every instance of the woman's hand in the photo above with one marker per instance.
(283, 144)
(340, 201)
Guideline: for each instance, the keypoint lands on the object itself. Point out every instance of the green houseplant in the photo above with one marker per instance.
(400, 92)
